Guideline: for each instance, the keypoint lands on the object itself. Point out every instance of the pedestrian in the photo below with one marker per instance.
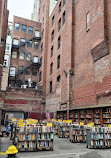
(11, 152)
(8, 130)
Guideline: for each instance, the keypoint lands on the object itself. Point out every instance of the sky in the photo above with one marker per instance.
(21, 8)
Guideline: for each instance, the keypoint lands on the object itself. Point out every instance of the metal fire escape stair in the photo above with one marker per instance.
(23, 44)
(24, 69)
(26, 53)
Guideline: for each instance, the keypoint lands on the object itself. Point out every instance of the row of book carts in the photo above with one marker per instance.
(30, 135)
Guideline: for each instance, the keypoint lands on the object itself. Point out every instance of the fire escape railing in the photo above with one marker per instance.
(27, 54)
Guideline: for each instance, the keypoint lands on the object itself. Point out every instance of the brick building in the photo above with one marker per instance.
(24, 93)
(77, 57)
(74, 51)
(3, 33)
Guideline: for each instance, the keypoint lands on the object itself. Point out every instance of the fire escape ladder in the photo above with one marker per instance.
(23, 44)
(24, 69)
(26, 54)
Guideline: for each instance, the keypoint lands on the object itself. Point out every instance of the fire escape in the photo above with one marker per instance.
(32, 63)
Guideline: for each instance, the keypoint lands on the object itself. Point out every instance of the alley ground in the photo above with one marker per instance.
(62, 149)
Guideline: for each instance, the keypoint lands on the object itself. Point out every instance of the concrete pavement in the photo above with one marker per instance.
(62, 149)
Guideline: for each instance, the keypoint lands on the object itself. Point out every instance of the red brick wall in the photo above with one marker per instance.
(60, 90)
(3, 31)
(34, 52)
(44, 13)
(24, 99)
(91, 77)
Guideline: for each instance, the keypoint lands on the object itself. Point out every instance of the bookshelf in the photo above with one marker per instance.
(106, 116)
(97, 121)
(45, 137)
(70, 115)
(63, 130)
(89, 116)
(77, 133)
(76, 116)
(98, 137)
(82, 115)
(64, 116)
(27, 138)
(33, 137)
(61, 116)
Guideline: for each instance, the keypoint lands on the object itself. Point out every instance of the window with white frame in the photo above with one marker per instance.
(35, 59)
(14, 54)
(21, 56)
(28, 58)
(12, 71)
(17, 26)
(15, 42)
(37, 33)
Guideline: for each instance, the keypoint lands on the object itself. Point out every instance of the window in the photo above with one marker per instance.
(33, 84)
(35, 59)
(5, 62)
(64, 1)
(58, 62)
(43, 8)
(29, 44)
(41, 61)
(51, 68)
(40, 76)
(7, 47)
(34, 72)
(21, 56)
(43, 21)
(59, 42)
(27, 71)
(52, 35)
(42, 33)
(60, 7)
(53, 19)
(42, 47)
(24, 27)
(12, 71)
(37, 33)
(12, 83)
(36, 45)
(52, 50)
(64, 17)
(30, 30)
(50, 86)
(59, 24)
(26, 83)
(19, 83)
(22, 41)
(20, 69)
(14, 54)
(17, 27)
(15, 42)
(28, 58)
(88, 21)
(58, 78)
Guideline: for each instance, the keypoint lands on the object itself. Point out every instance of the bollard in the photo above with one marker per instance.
(11, 152)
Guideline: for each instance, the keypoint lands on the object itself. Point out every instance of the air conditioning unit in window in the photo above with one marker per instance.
(35, 87)
(24, 86)
(37, 34)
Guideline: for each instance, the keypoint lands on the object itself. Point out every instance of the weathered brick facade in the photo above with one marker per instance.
(3, 33)
(80, 37)
(84, 55)
(26, 100)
